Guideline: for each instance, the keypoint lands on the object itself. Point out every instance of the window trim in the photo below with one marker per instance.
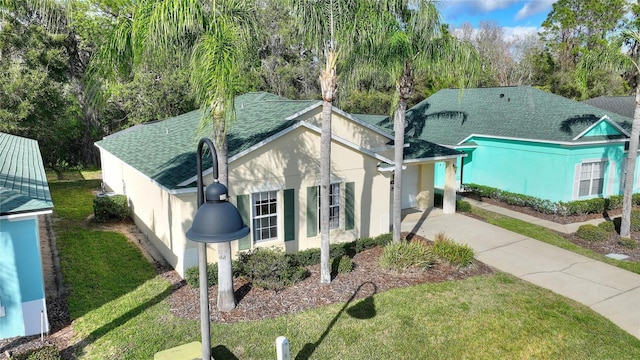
(602, 173)
(333, 196)
(271, 200)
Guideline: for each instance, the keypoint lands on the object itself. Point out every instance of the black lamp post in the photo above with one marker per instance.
(216, 221)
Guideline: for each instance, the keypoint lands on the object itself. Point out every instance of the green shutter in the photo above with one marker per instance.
(244, 208)
(312, 211)
(289, 215)
(349, 200)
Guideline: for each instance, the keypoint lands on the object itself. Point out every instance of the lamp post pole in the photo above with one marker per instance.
(205, 326)
(216, 221)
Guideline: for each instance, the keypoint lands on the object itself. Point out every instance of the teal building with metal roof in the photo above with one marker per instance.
(24, 196)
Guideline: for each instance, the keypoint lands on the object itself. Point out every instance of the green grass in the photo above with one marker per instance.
(543, 234)
(100, 266)
(120, 311)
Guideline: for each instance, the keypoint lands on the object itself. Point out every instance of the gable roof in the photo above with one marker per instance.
(452, 117)
(165, 151)
(23, 182)
(621, 105)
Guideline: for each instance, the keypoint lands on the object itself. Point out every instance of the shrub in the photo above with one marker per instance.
(192, 275)
(383, 239)
(306, 257)
(541, 205)
(363, 244)
(463, 206)
(341, 265)
(270, 269)
(404, 255)
(628, 243)
(635, 220)
(607, 226)
(110, 207)
(49, 352)
(456, 254)
(579, 207)
(592, 233)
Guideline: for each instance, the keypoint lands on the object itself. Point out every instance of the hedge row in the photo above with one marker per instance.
(270, 268)
(563, 208)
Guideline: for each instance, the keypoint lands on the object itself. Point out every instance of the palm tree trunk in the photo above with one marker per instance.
(627, 200)
(405, 88)
(226, 296)
(328, 84)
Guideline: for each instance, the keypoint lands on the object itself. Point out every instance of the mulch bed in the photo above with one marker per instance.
(367, 278)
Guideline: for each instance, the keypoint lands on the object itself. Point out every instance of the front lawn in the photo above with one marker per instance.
(120, 311)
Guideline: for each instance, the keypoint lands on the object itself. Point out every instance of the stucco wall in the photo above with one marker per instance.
(292, 162)
(21, 280)
(542, 170)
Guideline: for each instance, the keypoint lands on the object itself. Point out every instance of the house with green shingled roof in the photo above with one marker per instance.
(274, 165)
(24, 198)
(527, 141)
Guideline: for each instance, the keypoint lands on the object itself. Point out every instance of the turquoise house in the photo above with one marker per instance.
(24, 196)
(527, 141)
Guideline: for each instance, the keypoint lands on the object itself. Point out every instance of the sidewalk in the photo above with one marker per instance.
(563, 228)
(610, 291)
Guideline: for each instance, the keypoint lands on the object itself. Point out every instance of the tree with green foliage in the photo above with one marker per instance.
(574, 28)
(218, 38)
(325, 26)
(616, 59)
(36, 97)
(407, 39)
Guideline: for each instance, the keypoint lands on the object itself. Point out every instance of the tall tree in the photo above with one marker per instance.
(615, 58)
(574, 28)
(218, 37)
(63, 19)
(407, 39)
(325, 25)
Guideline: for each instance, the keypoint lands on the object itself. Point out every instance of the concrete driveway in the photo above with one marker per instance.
(608, 290)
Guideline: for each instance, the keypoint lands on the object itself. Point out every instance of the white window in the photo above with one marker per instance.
(265, 215)
(334, 206)
(591, 178)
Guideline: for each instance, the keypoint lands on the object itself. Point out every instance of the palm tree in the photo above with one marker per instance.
(406, 39)
(323, 24)
(217, 38)
(613, 59)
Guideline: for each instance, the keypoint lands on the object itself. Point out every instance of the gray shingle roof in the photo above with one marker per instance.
(23, 182)
(523, 112)
(165, 150)
(621, 105)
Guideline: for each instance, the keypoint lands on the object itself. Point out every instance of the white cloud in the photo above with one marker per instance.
(534, 7)
(519, 32)
(478, 6)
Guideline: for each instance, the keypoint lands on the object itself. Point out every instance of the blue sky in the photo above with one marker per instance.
(516, 16)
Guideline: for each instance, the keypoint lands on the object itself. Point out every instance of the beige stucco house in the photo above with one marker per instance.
(274, 156)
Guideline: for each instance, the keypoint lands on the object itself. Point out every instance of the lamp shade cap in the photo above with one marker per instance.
(217, 222)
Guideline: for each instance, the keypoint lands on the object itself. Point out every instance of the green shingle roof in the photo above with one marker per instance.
(23, 182)
(165, 150)
(622, 105)
(522, 112)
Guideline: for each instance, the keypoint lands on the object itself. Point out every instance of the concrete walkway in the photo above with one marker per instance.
(608, 290)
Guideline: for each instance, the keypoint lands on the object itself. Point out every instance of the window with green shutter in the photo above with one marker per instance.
(349, 204)
(244, 208)
(289, 215)
(312, 211)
